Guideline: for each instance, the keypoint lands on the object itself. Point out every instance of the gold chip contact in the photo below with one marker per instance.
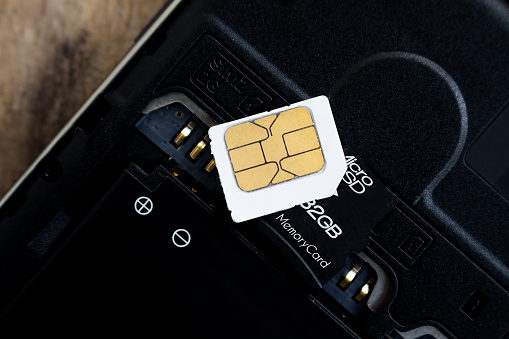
(274, 149)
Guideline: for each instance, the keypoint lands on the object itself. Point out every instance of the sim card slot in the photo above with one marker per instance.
(181, 133)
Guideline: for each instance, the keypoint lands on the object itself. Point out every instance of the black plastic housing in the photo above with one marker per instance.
(417, 89)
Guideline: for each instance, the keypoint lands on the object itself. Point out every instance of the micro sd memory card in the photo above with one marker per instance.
(275, 160)
(317, 236)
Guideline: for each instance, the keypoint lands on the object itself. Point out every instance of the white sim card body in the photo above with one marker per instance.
(275, 160)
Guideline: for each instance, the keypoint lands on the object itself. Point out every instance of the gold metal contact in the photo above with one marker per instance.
(210, 166)
(350, 276)
(199, 147)
(274, 149)
(184, 133)
(365, 290)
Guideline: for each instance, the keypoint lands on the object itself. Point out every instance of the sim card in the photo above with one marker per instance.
(275, 160)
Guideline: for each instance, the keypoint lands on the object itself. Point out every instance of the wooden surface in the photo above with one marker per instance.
(53, 55)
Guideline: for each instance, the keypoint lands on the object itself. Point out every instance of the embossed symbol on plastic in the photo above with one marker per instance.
(411, 246)
(273, 149)
(143, 205)
(181, 238)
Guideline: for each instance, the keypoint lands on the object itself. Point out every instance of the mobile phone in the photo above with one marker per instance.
(121, 224)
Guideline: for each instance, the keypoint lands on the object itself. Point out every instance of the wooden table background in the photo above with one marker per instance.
(53, 55)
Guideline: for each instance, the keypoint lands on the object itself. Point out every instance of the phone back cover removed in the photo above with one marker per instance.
(419, 92)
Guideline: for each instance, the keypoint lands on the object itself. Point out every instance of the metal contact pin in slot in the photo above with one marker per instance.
(350, 276)
(184, 133)
(210, 166)
(199, 147)
(366, 288)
